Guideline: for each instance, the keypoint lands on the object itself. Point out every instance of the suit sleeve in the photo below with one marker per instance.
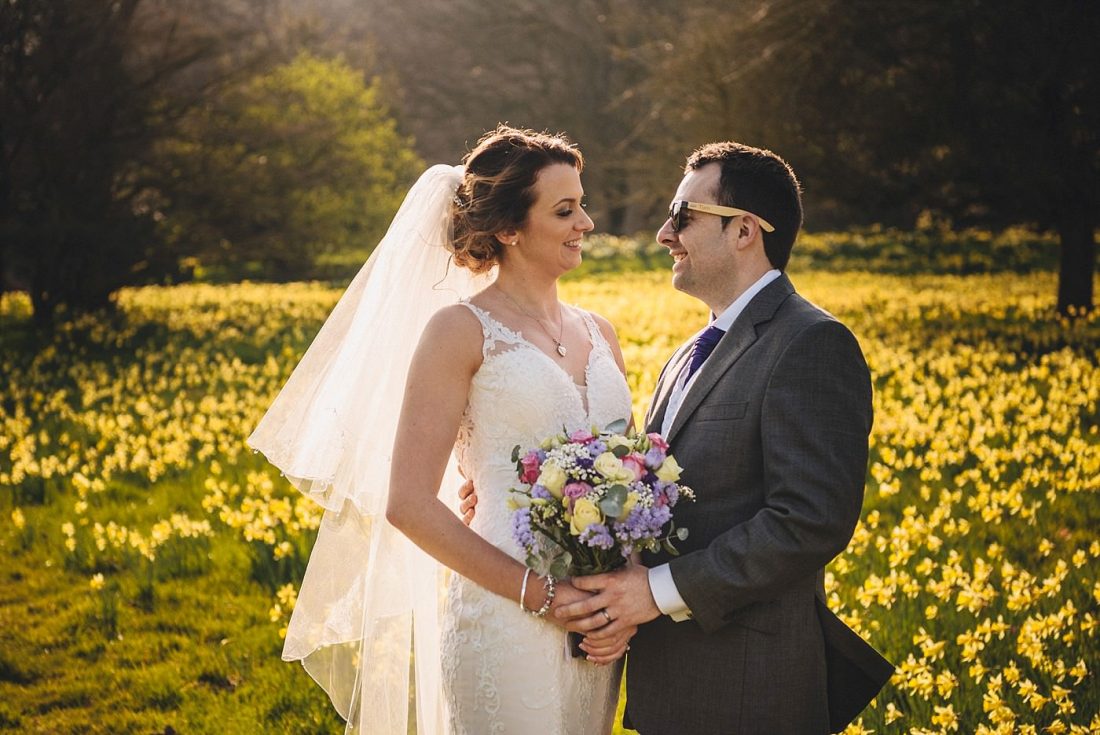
(815, 420)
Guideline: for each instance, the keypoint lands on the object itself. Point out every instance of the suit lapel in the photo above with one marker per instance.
(656, 414)
(738, 339)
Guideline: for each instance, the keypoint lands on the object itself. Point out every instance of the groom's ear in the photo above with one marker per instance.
(745, 233)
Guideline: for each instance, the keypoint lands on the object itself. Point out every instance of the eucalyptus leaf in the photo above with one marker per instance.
(620, 451)
(616, 427)
(613, 501)
(515, 453)
(560, 568)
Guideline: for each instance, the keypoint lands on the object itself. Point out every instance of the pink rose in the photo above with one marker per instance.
(575, 490)
(530, 464)
(658, 441)
(636, 464)
(582, 436)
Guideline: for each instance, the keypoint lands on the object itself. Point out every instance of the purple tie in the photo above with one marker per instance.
(704, 345)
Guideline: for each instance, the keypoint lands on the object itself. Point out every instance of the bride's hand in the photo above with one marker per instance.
(564, 594)
(607, 650)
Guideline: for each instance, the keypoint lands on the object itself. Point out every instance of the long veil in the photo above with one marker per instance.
(369, 593)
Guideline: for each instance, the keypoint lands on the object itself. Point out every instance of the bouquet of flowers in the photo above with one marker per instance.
(588, 499)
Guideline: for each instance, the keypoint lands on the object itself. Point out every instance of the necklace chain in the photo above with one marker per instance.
(561, 328)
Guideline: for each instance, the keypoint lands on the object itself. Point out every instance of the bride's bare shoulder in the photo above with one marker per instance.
(457, 316)
(455, 329)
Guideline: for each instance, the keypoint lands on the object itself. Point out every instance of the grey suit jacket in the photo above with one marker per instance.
(773, 440)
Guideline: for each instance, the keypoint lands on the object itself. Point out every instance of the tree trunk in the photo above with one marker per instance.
(1078, 264)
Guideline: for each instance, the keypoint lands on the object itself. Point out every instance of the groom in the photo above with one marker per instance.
(768, 409)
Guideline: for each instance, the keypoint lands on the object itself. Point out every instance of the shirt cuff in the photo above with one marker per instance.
(665, 594)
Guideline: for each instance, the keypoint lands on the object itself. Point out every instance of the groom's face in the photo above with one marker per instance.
(702, 252)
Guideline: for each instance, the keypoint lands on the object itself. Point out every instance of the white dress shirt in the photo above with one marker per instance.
(661, 584)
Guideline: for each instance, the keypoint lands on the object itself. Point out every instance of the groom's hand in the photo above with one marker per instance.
(619, 601)
(468, 495)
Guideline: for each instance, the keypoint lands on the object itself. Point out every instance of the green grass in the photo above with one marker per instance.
(201, 656)
(979, 390)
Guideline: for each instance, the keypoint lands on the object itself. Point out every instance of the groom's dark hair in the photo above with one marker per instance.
(759, 181)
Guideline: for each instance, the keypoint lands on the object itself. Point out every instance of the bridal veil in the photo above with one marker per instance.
(369, 594)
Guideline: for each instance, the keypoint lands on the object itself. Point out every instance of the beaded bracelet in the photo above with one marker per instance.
(549, 586)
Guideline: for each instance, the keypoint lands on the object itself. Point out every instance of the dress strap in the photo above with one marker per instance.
(595, 336)
(492, 330)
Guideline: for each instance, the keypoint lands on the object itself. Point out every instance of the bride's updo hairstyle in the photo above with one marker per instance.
(497, 189)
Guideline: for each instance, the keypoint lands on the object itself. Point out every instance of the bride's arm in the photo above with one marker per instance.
(436, 392)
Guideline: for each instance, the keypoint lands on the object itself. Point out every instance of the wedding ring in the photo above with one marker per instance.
(606, 614)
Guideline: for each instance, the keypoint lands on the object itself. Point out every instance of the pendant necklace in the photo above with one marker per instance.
(561, 331)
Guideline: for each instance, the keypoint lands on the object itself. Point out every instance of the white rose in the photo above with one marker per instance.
(552, 478)
(669, 471)
(611, 467)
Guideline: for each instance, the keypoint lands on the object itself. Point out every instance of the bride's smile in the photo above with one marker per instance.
(553, 233)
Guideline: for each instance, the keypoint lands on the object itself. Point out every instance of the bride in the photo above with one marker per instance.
(447, 350)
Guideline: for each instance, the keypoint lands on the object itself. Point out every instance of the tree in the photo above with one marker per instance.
(462, 66)
(986, 111)
(86, 89)
(300, 160)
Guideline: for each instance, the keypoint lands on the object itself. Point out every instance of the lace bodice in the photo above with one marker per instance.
(505, 671)
(520, 396)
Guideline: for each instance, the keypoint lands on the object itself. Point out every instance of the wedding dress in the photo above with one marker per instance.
(505, 671)
(371, 601)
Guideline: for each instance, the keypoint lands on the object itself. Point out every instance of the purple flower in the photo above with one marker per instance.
(642, 523)
(585, 463)
(597, 448)
(538, 491)
(665, 493)
(654, 457)
(521, 528)
(672, 492)
(597, 536)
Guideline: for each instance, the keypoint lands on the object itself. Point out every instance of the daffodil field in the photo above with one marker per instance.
(151, 560)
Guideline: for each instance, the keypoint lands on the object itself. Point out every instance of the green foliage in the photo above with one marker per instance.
(930, 250)
(87, 89)
(876, 249)
(300, 161)
(981, 110)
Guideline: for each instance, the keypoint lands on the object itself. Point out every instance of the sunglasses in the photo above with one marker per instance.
(676, 213)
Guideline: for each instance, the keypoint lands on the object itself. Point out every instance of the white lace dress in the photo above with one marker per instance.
(505, 671)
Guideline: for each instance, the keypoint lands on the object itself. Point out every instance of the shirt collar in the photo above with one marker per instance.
(726, 319)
